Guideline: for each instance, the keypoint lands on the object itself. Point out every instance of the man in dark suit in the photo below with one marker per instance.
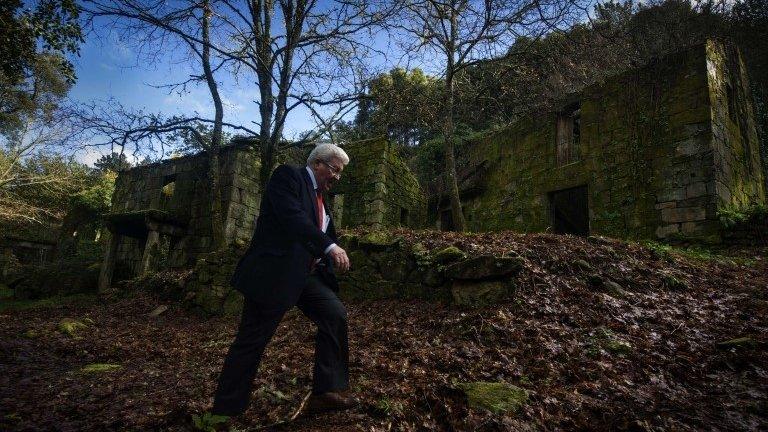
(290, 262)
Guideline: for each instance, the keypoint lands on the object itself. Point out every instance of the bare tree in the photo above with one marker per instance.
(298, 53)
(40, 126)
(457, 34)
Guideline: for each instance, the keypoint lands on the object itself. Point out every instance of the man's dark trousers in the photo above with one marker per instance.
(257, 325)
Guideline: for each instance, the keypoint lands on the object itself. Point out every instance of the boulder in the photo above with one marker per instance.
(496, 397)
(158, 311)
(484, 267)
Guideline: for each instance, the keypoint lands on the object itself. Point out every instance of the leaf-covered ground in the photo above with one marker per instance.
(640, 355)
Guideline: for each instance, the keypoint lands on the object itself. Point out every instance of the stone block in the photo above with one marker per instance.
(696, 190)
(684, 214)
(691, 227)
(671, 194)
(484, 267)
(664, 231)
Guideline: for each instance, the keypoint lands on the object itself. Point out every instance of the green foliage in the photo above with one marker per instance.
(96, 196)
(428, 158)
(733, 216)
(694, 252)
(52, 25)
(404, 105)
(208, 422)
(115, 162)
(400, 104)
(43, 188)
(34, 71)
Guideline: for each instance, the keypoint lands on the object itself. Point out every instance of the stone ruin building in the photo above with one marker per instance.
(160, 213)
(654, 152)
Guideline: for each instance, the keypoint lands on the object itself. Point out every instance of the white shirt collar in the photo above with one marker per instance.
(312, 176)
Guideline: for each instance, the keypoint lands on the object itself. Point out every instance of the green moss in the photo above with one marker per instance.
(603, 339)
(31, 334)
(449, 254)
(496, 397)
(674, 283)
(378, 239)
(99, 368)
(71, 327)
(738, 342)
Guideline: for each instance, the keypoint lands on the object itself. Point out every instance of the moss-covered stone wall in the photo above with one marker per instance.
(377, 189)
(738, 181)
(180, 188)
(647, 155)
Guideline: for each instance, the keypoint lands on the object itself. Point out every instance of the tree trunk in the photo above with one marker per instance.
(451, 182)
(214, 173)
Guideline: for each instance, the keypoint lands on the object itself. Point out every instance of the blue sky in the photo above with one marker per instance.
(108, 68)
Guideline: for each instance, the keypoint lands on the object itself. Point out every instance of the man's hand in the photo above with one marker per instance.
(340, 259)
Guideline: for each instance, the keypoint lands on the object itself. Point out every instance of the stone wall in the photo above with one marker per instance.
(383, 266)
(386, 266)
(738, 181)
(179, 188)
(648, 154)
(377, 189)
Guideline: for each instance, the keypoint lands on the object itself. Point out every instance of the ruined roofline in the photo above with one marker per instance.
(668, 58)
(362, 141)
(231, 146)
(571, 98)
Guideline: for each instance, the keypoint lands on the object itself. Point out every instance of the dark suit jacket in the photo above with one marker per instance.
(274, 269)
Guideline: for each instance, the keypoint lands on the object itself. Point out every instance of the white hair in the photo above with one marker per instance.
(326, 152)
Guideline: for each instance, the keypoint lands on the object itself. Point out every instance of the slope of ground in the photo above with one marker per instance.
(602, 334)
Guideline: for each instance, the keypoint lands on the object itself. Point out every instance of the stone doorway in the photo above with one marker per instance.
(569, 210)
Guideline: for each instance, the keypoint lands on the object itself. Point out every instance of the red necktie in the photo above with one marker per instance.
(320, 209)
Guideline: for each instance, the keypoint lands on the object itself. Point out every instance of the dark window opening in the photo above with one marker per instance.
(570, 211)
(568, 135)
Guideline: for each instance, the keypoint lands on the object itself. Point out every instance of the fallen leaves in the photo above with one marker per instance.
(642, 354)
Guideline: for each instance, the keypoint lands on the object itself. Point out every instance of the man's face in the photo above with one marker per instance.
(327, 173)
